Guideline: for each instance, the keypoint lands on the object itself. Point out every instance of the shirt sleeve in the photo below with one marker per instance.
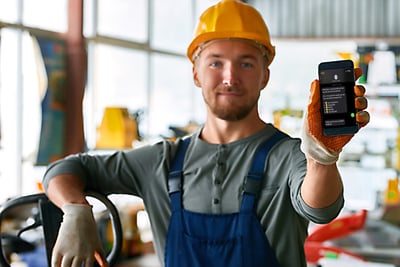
(316, 215)
(122, 172)
(323, 215)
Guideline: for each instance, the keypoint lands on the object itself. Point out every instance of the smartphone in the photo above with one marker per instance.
(338, 109)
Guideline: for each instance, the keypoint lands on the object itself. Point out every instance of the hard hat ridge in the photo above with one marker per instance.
(231, 19)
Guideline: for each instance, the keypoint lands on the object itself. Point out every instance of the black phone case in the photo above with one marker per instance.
(337, 97)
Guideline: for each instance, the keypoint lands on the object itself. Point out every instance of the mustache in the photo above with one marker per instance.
(226, 88)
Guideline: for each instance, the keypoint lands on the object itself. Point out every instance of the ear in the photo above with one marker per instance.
(195, 76)
(266, 79)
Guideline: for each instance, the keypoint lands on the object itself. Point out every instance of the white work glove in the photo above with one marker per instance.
(314, 149)
(78, 242)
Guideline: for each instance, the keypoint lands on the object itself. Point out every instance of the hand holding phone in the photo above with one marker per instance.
(337, 96)
(316, 144)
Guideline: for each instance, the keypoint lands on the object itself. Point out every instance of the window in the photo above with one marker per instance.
(172, 30)
(9, 11)
(36, 14)
(136, 59)
(118, 78)
(125, 19)
(20, 92)
(140, 63)
(171, 93)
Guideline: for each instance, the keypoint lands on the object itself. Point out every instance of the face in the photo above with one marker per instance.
(231, 74)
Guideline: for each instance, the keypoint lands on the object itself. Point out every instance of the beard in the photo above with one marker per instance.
(232, 111)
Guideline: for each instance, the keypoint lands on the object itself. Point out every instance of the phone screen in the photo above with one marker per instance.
(337, 97)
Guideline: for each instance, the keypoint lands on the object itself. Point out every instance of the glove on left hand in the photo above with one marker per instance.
(78, 241)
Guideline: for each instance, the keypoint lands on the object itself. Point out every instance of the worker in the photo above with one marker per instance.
(237, 192)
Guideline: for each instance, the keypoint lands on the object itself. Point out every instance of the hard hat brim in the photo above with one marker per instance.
(206, 37)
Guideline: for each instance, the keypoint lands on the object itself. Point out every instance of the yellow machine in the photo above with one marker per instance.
(118, 129)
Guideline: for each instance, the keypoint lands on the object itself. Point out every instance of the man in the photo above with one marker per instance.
(213, 199)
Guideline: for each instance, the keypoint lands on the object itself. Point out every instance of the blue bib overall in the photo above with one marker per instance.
(219, 240)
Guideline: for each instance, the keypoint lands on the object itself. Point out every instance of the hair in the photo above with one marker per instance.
(264, 51)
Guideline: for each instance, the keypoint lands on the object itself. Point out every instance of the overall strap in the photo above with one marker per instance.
(175, 176)
(251, 184)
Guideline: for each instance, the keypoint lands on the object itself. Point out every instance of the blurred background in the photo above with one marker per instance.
(100, 75)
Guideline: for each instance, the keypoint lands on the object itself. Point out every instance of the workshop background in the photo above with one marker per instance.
(100, 75)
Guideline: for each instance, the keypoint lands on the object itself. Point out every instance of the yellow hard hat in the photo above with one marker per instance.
(231, 19)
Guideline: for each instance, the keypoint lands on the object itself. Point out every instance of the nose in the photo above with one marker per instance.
(229, 75)
(227, 82)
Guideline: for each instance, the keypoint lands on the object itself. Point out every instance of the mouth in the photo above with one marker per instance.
(229, 94)
(229, 91)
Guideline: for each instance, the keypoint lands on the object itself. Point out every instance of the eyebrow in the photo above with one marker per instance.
(245, 56)
(213, 56)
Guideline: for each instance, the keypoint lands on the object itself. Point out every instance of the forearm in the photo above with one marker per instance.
(322, 185)
(66, 188)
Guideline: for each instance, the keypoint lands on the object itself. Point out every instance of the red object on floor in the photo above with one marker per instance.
(314, 247)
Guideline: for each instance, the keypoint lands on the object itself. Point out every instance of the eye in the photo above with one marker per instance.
(215, 64)
(246, 64)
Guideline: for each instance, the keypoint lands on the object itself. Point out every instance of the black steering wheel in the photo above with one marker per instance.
(49, 217)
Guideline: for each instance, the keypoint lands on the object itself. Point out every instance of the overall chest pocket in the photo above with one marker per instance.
(215, 253)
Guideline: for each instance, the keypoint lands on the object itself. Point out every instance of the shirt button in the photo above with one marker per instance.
(216, 201)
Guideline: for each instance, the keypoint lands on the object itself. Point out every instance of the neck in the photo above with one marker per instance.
(217, 131)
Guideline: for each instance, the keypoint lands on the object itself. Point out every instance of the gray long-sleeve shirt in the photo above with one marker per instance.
(213, 179)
